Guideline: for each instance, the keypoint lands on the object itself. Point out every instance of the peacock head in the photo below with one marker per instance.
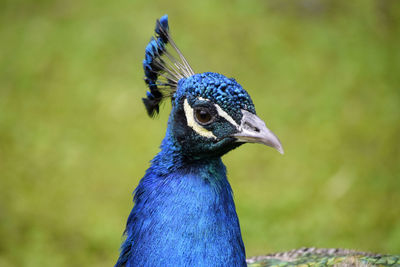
(211, 114)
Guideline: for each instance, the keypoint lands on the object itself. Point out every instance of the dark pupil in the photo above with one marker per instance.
(203, 116)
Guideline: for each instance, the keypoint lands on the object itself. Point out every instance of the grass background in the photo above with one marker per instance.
(75, 138)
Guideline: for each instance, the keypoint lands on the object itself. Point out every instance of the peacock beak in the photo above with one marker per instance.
(252, 129)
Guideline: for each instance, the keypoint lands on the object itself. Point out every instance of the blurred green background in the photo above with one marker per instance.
(75, 138)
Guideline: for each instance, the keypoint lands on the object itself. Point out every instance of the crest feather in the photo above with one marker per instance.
(162, 70)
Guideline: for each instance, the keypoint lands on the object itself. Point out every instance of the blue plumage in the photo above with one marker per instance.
(184, 213)
(154, 50)
(183, 217)
(225, 92)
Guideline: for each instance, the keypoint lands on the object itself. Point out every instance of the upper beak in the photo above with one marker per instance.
(253, 130)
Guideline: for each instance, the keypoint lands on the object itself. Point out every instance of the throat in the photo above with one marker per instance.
(184, 216)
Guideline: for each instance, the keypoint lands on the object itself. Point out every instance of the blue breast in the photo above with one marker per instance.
(184, 215)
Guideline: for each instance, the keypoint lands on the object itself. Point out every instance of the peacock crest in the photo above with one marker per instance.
(162, 68)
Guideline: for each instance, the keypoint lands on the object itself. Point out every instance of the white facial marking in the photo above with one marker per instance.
(193, 124)
(225, 115)
(222, 113)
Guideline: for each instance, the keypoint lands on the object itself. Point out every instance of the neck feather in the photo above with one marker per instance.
(184, 214)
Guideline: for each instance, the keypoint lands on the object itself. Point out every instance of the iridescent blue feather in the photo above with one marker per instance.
(162, 70)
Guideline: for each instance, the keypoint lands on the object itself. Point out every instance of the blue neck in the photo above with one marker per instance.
(184, 215)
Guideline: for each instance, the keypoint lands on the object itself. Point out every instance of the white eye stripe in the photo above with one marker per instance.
(225, 115)
(222, 113)
(193, 124)
(200, 129)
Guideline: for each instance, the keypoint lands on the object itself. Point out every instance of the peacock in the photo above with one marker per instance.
(184, 213)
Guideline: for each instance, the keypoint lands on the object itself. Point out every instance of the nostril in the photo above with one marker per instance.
(251, 127)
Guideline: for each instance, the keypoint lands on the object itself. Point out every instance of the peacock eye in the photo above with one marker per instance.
(203, 116)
